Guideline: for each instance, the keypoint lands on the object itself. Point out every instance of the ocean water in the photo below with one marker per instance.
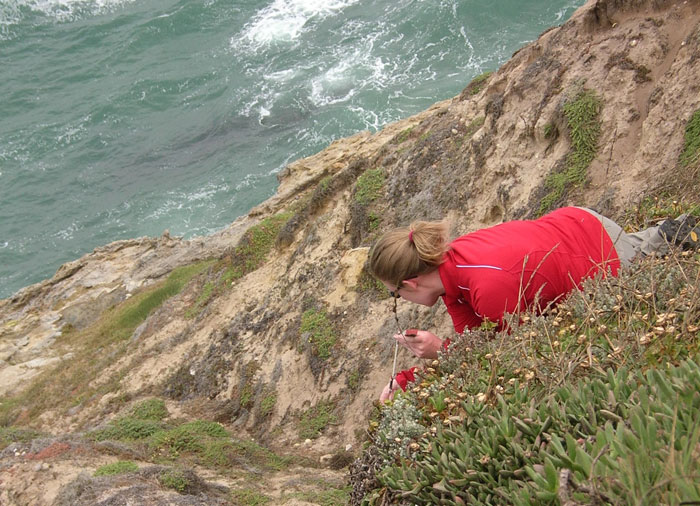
(123, 118)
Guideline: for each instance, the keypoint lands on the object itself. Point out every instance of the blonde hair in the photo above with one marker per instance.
(407, 252)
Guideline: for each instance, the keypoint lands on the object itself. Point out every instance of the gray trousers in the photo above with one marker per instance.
(628, 246)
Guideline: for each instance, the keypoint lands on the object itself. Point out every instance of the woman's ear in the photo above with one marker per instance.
(412, 282)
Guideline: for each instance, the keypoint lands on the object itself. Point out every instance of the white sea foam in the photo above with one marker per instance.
(12, 12)
(284, 20)
(67, 233)
(187, 201)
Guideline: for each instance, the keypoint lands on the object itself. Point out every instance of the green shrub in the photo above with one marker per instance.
(354, 380)
(10, 435)
(582, 116)
(174, 479)
(629, 438)
(119, 467)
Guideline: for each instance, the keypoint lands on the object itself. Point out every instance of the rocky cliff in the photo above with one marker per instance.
(271, 328)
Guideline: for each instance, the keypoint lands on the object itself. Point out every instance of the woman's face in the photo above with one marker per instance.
(424, 289)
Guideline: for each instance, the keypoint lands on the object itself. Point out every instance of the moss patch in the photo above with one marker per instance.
(135, 310)
(319, 332)
(369, 186)
(582, 117)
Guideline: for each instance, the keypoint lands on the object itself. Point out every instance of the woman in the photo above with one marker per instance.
(510, 268)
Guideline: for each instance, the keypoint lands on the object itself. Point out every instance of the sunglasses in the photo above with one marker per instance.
(395, 293)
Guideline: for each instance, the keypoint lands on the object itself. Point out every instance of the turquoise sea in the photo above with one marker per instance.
(123, 118)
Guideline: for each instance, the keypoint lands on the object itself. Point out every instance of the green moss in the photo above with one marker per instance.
(691, 148)
(150, 409)
(369, 186)
(582, 116)
(321, 333)
(315, 420)
(119, 467)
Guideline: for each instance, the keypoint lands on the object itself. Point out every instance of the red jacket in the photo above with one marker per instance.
(521, 265)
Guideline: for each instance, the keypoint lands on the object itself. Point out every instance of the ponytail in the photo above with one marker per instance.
(407, 252)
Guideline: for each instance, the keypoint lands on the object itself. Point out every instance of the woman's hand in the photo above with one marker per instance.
(388, 392)
(421, 343)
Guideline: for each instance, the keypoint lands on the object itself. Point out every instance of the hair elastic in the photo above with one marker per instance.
(410, 236)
